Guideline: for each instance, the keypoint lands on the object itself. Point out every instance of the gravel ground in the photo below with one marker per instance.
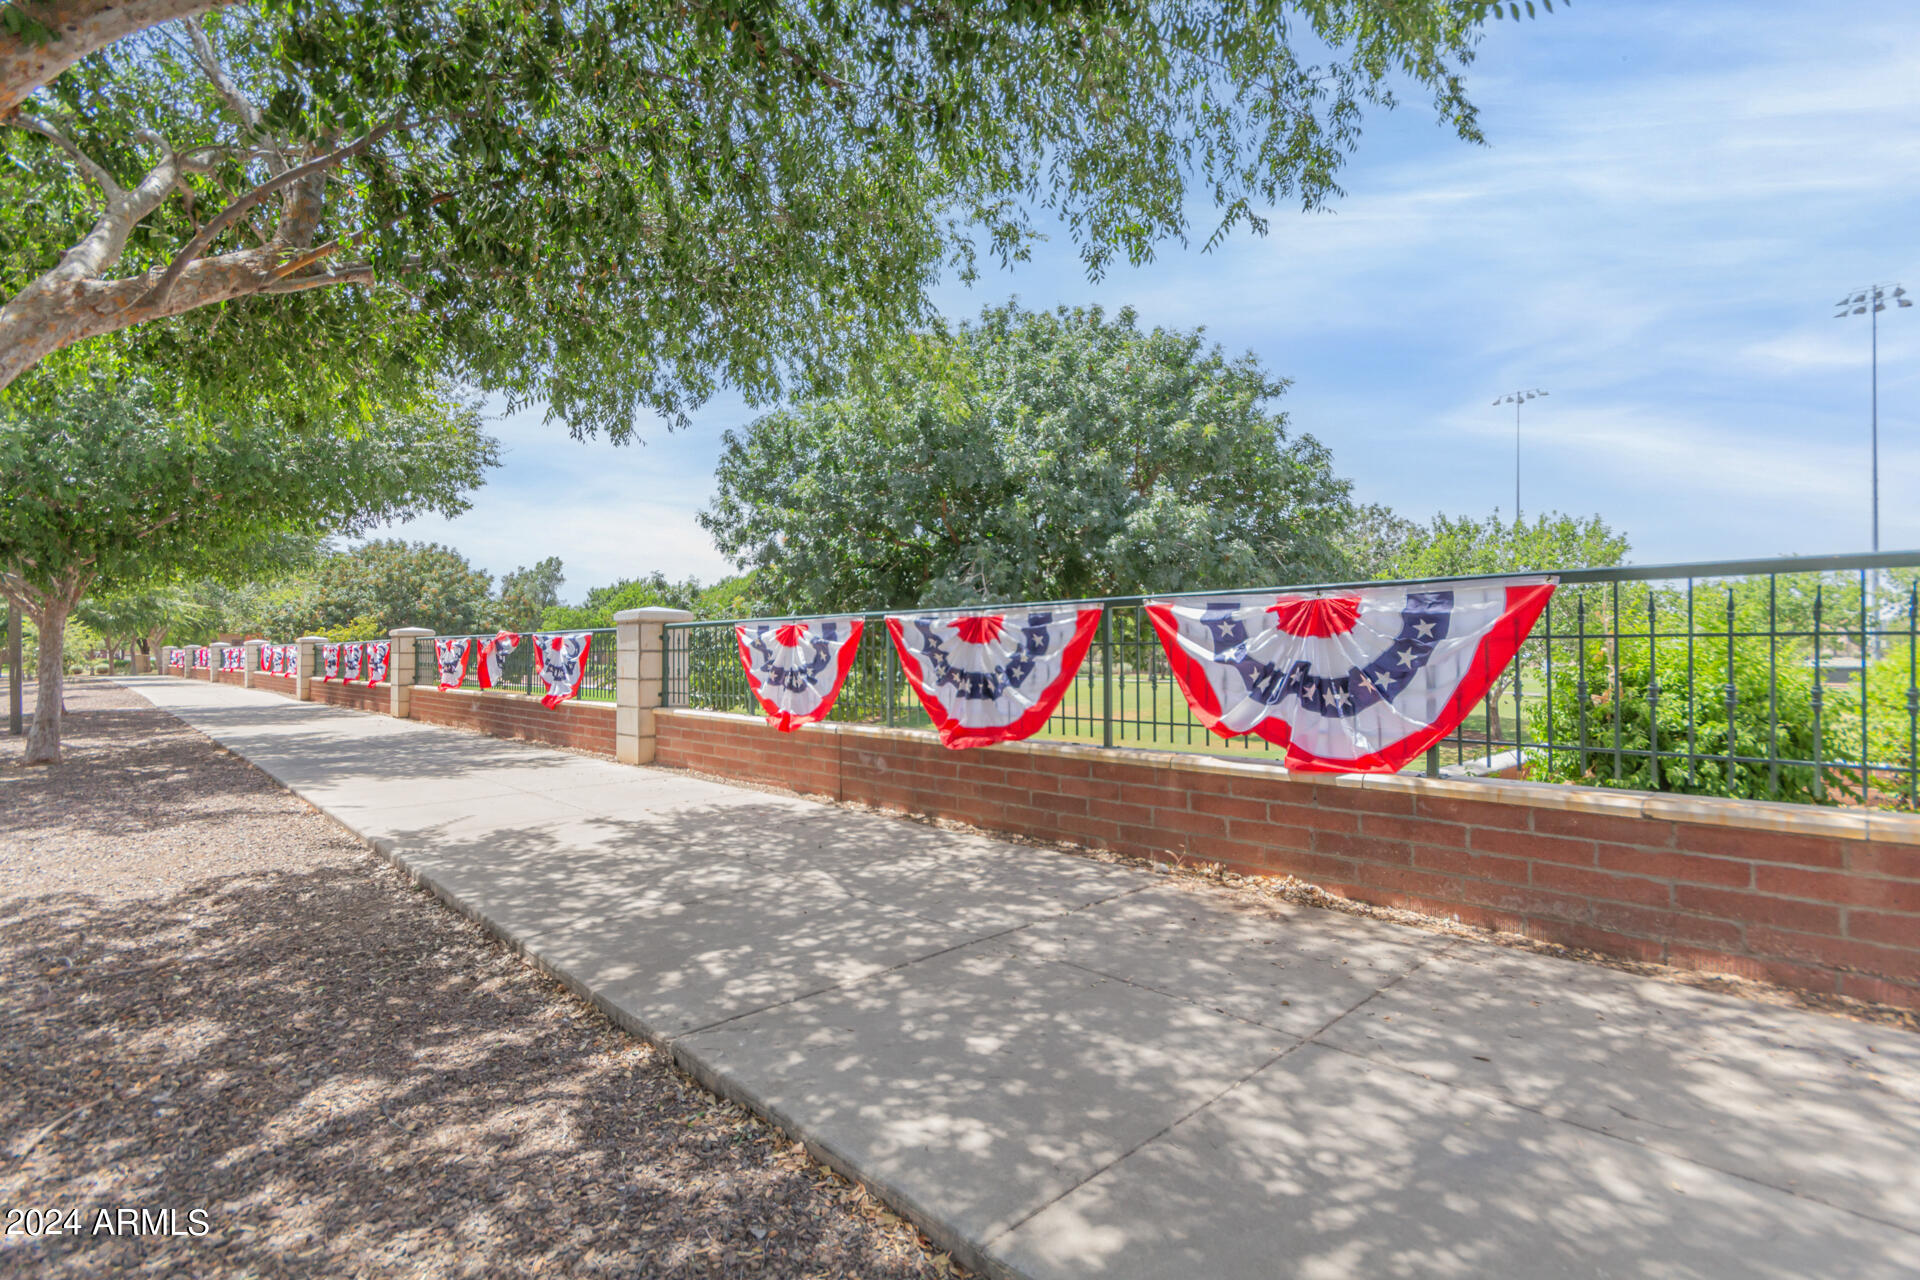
(213, 999)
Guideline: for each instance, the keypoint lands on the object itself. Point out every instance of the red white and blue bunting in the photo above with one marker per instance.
(202, 658)
(178, 658)
(329, 662)
(1357, 681)
(992, 677)
(563, 664)
(451, 657)
(493, 656)
(796, 668)
(377, 654)
(289, 660)
(233, 659)
(350, 662)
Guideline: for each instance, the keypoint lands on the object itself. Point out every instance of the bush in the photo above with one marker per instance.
(1787, 731)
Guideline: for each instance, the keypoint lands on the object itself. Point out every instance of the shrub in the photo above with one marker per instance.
(1783, 726)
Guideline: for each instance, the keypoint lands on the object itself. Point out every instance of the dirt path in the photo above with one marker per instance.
(214, 1002)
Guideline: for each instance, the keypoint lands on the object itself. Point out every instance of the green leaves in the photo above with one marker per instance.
(105, 486)
(1030, 456)
(615, 209)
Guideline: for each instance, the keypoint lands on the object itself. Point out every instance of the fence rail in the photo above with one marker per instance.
(1789, 679)
(519, 672)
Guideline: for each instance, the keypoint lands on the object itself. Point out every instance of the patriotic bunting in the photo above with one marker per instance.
(563, 664)
(796, 668)
(350, 655)
(202, 658)
(377, 653)
(178, 658)
(1361, 681)
(279, 659)
(289, 660)
(233, 659)
(263, 657)
(992, 677)
(451, 656)
(329, 662)
(493, 656)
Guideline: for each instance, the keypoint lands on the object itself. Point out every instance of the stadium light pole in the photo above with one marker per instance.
(1870, 302)
(1517, 399)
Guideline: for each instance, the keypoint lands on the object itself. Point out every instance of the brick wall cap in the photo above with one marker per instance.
(1717, 811)
(1893, 828)
(653, 613)
(410, 631)
(1765, 815)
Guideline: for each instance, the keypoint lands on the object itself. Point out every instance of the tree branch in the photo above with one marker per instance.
(216, 74)
(349, 273)
(95, 172)
(229, 215)
(79, 28)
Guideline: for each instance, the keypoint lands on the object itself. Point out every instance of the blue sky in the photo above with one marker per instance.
(1671, 197)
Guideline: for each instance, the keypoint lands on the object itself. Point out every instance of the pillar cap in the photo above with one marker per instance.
(311, 640)
(251, 644)
(410, 631)
(653, 614)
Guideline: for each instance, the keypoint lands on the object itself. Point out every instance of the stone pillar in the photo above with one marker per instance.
(219, 654)
(401, 665)
(164, 659)
(304, 654)
(639, 670)
(252, 663)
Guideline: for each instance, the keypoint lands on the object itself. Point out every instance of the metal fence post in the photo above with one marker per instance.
(1106, 675)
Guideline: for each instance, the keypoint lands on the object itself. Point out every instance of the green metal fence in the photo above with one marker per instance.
(1789, 679)
(519, 672)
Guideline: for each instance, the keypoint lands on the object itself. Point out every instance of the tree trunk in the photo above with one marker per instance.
(49, 694)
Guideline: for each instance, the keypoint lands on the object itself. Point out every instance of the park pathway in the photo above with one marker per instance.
(1061, 1068)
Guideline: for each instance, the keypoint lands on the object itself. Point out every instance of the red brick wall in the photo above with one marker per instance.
(229, 677)
(358, 695)
(1820, 900)
(275, 684)
(582, 726)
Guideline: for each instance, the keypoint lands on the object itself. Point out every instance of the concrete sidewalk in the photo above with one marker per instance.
(1061, 1068)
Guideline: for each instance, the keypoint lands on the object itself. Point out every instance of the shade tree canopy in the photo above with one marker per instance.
(108, 492)
(614, 207)
(1030, 456)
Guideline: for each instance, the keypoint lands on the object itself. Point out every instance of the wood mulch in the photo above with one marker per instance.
(215, 1002)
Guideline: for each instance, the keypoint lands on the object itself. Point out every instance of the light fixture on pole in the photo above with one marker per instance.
(1517, 399)
(1870, 302)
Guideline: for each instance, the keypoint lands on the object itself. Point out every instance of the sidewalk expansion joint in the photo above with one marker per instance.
(1181, 1119)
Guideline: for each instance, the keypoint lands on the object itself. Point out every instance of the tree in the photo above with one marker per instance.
(1031, 456)
(107, 493)
(1374, 541)
(141, 617)
(389, 583)
(654, 591)
(1455, 546)
(527, 594)
(605, 207)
